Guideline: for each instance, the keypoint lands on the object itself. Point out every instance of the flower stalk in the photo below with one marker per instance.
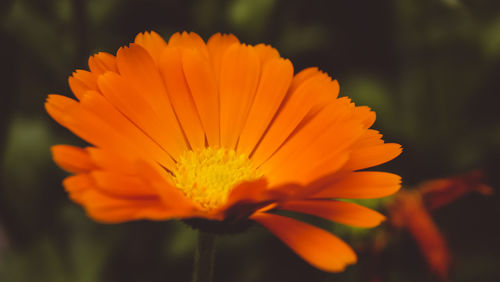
(204, 257)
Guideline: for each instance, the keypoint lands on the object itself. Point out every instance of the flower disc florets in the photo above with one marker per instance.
(208, 175)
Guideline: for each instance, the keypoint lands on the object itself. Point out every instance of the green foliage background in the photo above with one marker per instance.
(429, 68)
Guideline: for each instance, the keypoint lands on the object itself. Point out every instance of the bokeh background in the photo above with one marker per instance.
(429, 68)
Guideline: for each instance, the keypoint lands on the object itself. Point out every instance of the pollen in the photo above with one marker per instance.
(208, 175)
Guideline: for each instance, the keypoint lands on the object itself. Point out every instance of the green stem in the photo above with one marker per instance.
(204, 257)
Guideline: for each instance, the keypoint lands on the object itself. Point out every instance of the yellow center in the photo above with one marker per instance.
(208, 175)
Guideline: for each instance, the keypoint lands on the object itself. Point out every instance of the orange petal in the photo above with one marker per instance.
(240, 72)
(338, 211)
(201, 80)
(82, 81)
(107, 160)
(362, 185)
(139, 70)
(164, 128)
(297, 106)
(273, 85)
(318, 148)
(217, 46)
(439, 192)
(88, 126)
(316, 246)
(72, 159)
(252, 195)
(248, 191)
(303, 76)
(102, 62)
(120, 185)
(77, 185)
(370, 137)
(408, 211)
(365, 115)
(152, 42)
(170, 65)
(266, 53)
(106, 209)
(171, 197)
(249, 196)
(189, 40)
(57, 107)
(365, 157)
(96, 103)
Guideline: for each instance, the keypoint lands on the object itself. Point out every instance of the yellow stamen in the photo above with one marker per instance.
(208, 175)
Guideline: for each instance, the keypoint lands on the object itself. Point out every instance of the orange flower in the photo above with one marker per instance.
(408, 211)
(439, 192)
(225, 132)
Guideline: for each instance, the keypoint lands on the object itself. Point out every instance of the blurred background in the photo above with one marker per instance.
(429, 68)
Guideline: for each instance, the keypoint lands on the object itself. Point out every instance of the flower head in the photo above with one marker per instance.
(221, 131)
